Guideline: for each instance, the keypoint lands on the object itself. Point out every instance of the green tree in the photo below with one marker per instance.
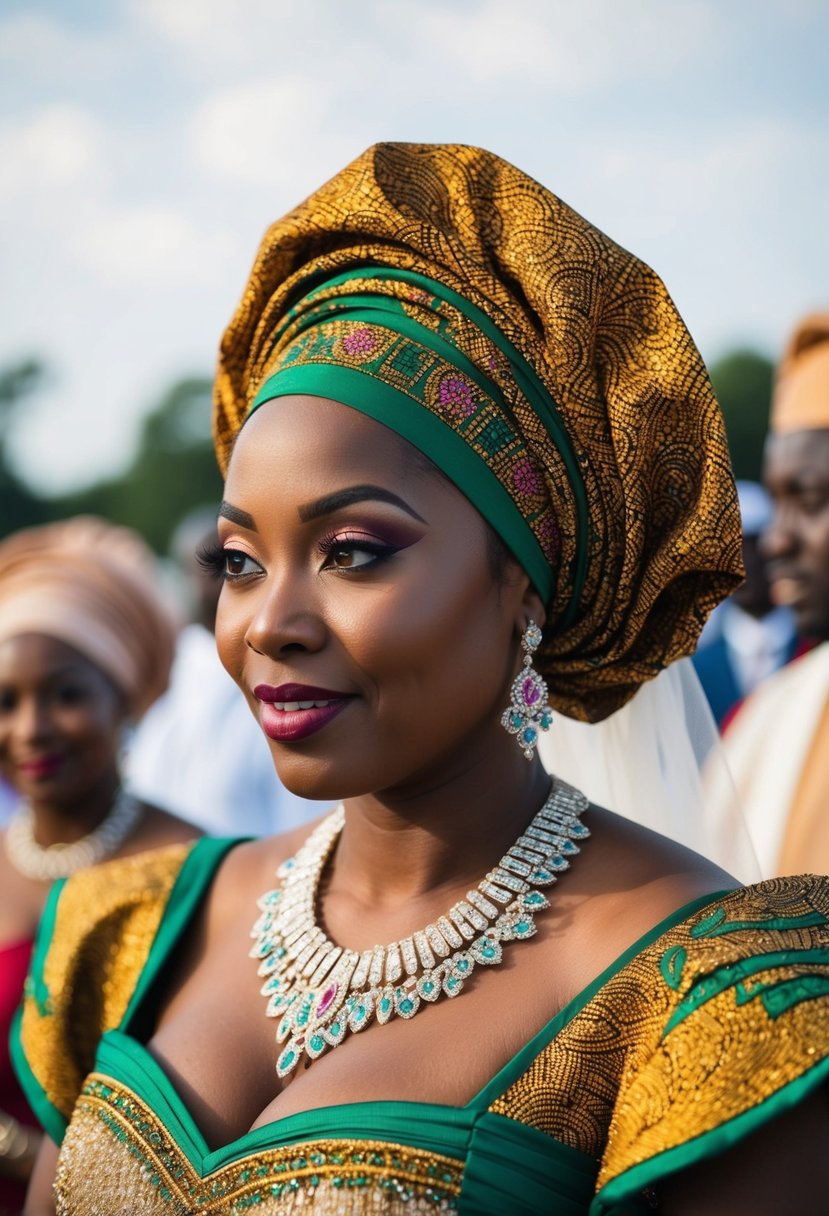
(173, 469)
(743, 382)
(20, 507)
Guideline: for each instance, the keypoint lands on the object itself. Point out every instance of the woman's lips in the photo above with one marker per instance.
(294, 711)
(40, 767)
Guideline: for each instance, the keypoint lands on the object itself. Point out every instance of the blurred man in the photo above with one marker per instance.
(198, 751)
(752, 637)
(778, 744)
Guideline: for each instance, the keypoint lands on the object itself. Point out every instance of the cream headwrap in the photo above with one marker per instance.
(801, 395)
(90, 585)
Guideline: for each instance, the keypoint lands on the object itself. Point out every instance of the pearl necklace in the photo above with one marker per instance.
(320, 991)
(45, 863)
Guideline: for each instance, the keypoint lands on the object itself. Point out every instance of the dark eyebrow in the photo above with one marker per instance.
(350, 496)
(237, 516)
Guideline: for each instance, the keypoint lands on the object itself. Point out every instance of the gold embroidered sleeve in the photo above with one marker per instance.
(92, 945)
(744, 1033)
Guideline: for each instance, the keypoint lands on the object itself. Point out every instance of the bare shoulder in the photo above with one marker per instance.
(158, 828)
(249, 869)
(629, 879)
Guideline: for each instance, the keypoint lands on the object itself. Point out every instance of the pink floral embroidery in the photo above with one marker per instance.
(526, 478)
(359, 342)
(456, 396)
(548, 533)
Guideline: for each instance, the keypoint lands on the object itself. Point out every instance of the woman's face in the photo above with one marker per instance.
(360, 614)
(60, 718)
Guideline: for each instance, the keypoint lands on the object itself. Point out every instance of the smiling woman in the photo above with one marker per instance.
(475, 474)
(85, 646)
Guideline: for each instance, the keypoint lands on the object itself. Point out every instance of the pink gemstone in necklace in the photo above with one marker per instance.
(327, 998)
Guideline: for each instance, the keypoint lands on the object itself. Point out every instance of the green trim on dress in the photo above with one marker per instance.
(49, 1117)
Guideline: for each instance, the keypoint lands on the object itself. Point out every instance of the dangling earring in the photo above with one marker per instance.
(528, 710)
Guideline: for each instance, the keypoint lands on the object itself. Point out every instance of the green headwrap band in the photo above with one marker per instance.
(383, 342)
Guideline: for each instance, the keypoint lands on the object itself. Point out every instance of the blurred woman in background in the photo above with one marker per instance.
(85, 648)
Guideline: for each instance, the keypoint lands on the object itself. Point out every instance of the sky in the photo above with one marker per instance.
(146, 144)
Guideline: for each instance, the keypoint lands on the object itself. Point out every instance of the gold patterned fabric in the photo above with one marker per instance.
(554, 355)
(714, 1023)
(84, 975)
(718, 1016)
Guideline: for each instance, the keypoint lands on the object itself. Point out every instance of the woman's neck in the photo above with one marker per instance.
(59, 822)
(400, 845)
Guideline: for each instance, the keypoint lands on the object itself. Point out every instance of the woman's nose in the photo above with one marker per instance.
(285, 621)
(30, 721)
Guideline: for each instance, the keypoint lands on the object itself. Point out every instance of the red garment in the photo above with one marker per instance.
(14, 964)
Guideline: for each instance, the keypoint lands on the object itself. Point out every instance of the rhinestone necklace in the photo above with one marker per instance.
(48, 862)
(320, 991)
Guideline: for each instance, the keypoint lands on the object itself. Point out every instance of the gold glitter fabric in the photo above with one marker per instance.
(139, 1170)
(94, 940)
(468, 298)
(713, 1024)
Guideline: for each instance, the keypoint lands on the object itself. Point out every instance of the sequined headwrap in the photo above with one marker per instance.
(541, 367)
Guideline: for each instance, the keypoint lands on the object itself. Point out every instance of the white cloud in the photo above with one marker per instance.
(61, 147)
(154, 244)
(270, 132)
(558, 46)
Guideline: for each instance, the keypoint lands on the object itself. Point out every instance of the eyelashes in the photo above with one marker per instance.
(212, 559)
(349, 553)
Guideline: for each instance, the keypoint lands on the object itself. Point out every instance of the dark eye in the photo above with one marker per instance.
(353, 553)
(238, 564)
(8, 700)
(70, 694)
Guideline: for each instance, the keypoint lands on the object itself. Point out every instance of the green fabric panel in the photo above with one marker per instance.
(432, 437)
(621, 1191)
(510, 1073)
(195, 876)
(48, 1115)
(517, 1169)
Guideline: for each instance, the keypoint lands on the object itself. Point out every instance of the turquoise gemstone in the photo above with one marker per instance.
(359, 1014)
(521, 927)
(516, 720)
(428, 987)
(529, 735)
(385, 1004)
(288, 1059)
(463, 965)
(452, 983)
(335, 1028)
(406, 1005)
(533, 899)
(488, 951)
(317, 1042)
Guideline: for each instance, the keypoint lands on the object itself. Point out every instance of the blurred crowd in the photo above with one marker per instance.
(120, 731)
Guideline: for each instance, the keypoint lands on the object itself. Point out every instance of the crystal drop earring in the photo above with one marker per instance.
(528, 711)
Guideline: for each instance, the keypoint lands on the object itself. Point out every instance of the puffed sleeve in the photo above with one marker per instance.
(742, 994)
(92, 946)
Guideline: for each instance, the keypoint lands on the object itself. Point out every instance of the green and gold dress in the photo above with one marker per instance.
(714, 1022)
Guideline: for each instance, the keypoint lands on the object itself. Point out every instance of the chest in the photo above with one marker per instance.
(213, 1039)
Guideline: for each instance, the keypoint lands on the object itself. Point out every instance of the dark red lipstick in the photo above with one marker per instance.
(294, 711)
